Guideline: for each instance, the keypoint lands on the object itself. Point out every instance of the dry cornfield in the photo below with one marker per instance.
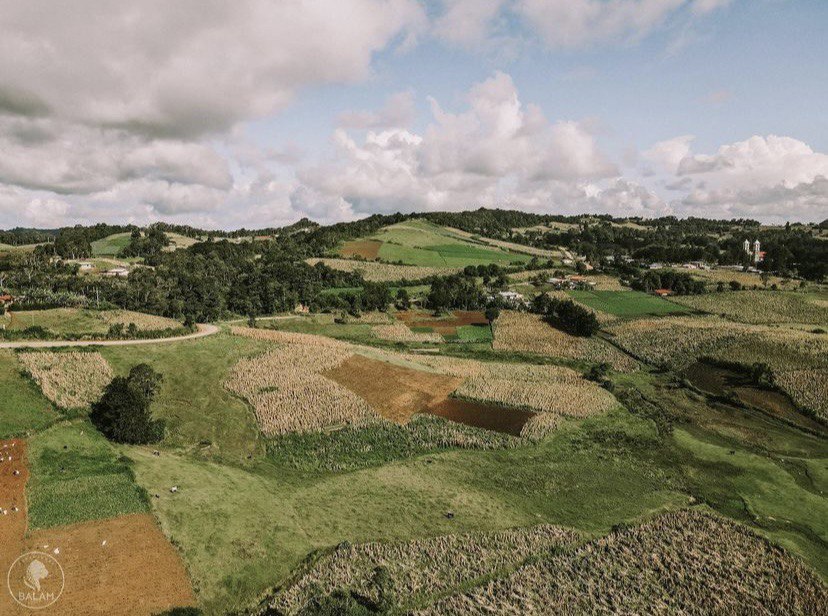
(760, 307)
(289, 394)
(72, 380)
(747, 279)
(398, 332)
(422, 568)
(807, 388)
(383, 272)
(527, 333)
(144, 322)
(683, 562)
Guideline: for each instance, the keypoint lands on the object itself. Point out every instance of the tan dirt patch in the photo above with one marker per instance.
(122, 566)
(13, 524)
(395, 392)
(367, 249)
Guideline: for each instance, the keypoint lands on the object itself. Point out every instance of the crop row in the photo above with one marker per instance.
(72, 380)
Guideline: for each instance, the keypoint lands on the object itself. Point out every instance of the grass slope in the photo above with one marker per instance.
(418, 242)
(110, 245)
(241, 531)
(24, 408)
(200, 414)
(76, 475)
(625, 303)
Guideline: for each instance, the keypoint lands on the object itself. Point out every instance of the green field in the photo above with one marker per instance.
(625, 303)
(474, 333)
(418, 242)
(24, 408)
(76, 475)
(111, 245)
(202, 417)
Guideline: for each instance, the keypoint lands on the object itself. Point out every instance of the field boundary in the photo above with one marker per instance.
(204, 329)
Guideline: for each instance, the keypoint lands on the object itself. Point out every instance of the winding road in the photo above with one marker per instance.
(203, 330)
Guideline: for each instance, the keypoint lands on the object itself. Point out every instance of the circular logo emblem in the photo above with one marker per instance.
(35, 580)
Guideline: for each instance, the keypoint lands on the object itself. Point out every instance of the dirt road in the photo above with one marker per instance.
(203, 330)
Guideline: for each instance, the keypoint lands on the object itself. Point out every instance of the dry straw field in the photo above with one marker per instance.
(383, 272)
(286, 388)
(684, 562)
(72, 380)
(528, 333)
(311, 382)
(422, 568)
(398, 332)
(761, 307)
(798, 359)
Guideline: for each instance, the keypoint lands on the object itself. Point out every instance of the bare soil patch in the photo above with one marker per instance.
(445, 326)
(13, 523)
(124, 565)
(367, 249)
(395, 392)
(487, 416)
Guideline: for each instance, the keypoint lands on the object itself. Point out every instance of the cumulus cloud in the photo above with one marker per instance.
(185, 67)
(496, 152)
(399, 110)
(769, 178)
(467, 23)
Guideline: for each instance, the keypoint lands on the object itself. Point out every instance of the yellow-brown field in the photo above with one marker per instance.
(71, 380)
(383, 272)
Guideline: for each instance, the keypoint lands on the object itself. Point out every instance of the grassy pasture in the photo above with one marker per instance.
(201, 415)
(418, 242)
(625, 303)
(76, 475)
(110, 245)
(77, 321)
(475, 333)
(24, 408)
(242, 531)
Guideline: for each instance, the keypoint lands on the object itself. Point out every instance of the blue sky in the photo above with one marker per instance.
(259, 113)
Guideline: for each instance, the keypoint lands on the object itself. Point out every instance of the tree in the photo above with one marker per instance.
(403, 300)
(123, 412)
(491, 314)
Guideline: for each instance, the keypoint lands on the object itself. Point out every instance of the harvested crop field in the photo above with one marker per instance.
(421, 568)
(123, 565)
(398, 332)
(761, 306)
(288, 391)
(685, 562)
(367, 249)
(13, 524)
(445, 326)
(395, 392)
(527, 333)
(486, 416)
(72, 380)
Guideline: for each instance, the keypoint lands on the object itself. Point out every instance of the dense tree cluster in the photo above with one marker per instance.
(566, 315)
(123, 413)
(680, 283)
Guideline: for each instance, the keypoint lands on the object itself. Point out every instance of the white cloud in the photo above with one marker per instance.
(467, 23)
(769, 178)
(667, 155)
(189, 66)
(579, 23)
(497, 152)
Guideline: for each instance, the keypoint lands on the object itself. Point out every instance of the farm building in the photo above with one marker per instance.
(117, 272)
(663, 292)
(85, 266)
(512, 298)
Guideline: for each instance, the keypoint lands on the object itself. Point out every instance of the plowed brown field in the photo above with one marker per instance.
(121, 566)
(367, 249)
(395, 392)
(447, 326)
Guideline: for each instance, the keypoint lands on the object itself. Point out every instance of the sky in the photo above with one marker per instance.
(256, 113)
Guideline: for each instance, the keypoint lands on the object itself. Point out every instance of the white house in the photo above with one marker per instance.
(512, 298)
(85, 266)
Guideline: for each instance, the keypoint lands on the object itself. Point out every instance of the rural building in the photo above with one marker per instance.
(6, 299)
(663, 292)
(572, 283)
(85, 266)
(512, 298)
(117, 272)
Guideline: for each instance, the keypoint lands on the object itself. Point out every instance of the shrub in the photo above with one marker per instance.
(123, 412)
(567, 315)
